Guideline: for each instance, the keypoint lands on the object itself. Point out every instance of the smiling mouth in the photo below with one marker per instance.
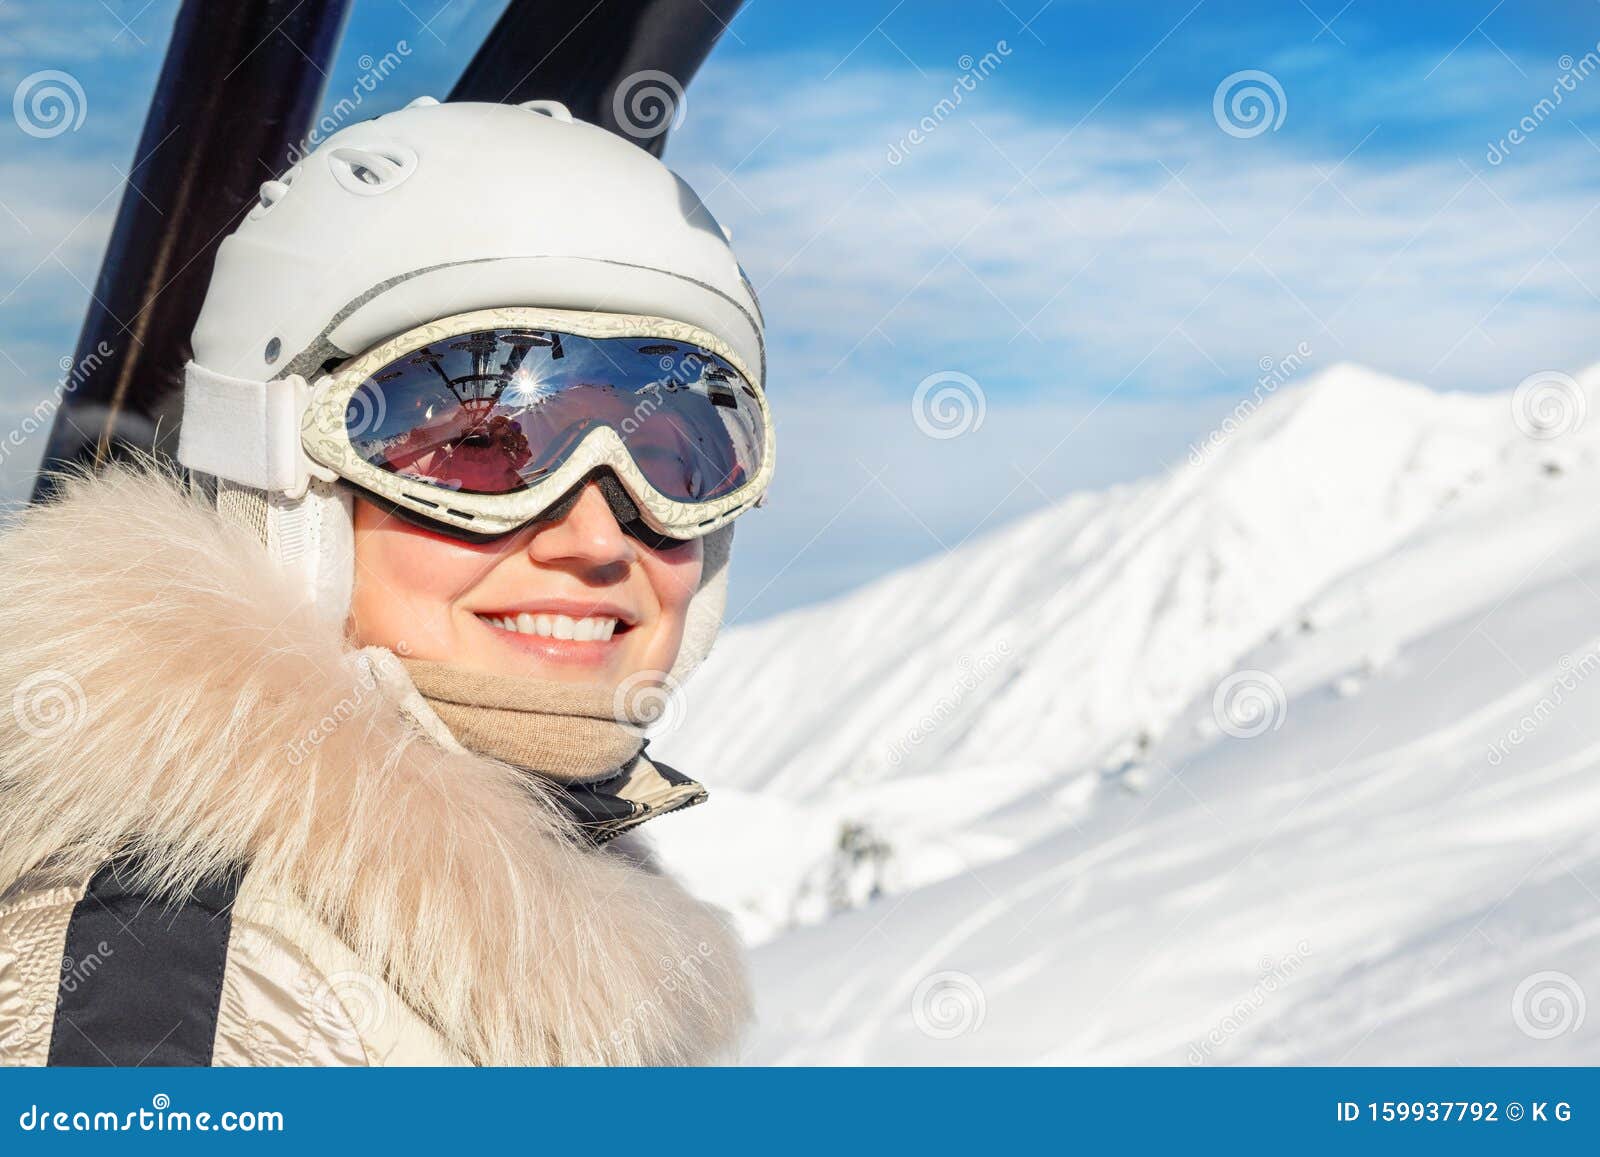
(590, 629)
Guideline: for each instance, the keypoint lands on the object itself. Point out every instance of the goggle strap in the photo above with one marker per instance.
(245, 431)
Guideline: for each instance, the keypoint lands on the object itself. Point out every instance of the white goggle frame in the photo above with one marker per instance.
(324, 449)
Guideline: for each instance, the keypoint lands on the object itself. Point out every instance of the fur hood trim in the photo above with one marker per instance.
(172, 698)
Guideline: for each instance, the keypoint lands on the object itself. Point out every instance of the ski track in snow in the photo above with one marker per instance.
(1004, 764)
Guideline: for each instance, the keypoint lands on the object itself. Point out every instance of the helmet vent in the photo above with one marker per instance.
(553, 109)
(273, 191)
(369, 170)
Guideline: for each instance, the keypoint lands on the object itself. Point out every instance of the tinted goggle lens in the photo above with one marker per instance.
(498, 411)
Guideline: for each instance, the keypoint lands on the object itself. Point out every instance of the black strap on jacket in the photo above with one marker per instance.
(141, 975)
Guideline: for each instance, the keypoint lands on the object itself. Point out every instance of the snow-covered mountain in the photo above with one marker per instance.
(1290, 754)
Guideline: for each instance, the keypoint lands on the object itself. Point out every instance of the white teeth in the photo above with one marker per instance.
(594, 629)
(600, 629)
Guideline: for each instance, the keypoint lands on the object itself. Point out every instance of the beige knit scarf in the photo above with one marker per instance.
(582, 740)
(564, 732)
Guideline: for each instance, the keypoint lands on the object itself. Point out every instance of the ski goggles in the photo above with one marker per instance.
(483, 422)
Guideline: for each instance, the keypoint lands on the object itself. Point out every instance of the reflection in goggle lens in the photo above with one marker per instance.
(498, 411)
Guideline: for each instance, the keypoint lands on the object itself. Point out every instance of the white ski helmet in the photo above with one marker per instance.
(424, 213)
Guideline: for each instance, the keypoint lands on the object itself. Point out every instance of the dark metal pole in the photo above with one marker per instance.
(622, 64)
(240, 85)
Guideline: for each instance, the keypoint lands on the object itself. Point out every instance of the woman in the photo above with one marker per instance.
(318, 757)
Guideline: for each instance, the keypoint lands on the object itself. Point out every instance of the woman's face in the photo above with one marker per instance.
(575, 600)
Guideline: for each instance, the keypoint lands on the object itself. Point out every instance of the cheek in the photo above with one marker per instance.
(674, 577)
(407, 582)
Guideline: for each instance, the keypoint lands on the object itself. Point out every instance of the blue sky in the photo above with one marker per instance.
(1079, 238)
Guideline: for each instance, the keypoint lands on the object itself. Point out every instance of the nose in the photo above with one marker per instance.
(586, 537)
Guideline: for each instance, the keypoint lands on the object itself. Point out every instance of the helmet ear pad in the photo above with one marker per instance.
(311, 537)
(708, 605)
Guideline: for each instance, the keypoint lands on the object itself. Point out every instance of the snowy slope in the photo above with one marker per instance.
(1081, 595)
(1366, 871)
(922, 715)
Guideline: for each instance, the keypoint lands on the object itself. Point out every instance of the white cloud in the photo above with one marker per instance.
(1122, 248)
(1141, 258)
